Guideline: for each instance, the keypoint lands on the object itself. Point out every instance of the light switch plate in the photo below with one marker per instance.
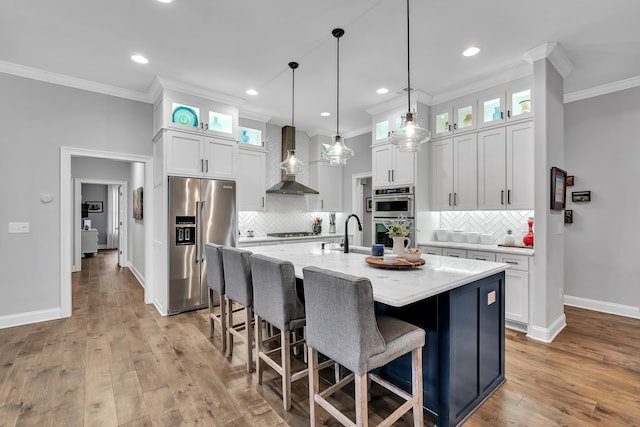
(18, 227)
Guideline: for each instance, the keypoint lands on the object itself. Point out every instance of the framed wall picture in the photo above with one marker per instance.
(137, 203)
(581, 196)
(368, 204)
(94, 207)
(568, 216)
(558, 189)
(570, 181)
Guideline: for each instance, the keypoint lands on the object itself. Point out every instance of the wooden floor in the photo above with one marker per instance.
(116, 362)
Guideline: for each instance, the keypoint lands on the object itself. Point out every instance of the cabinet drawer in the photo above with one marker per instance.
(455, 253)
(431, 250)
(517, 262)
(481, 255)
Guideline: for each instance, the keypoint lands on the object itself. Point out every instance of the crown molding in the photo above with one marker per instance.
(322, 132)
(602, 89)
(399, 102)
(253, 115)
(74, 82)
(556, 55)
(516, 71)
(200, 92)
(357, 132)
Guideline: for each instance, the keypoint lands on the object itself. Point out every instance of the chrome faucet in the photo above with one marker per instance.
(346, 231)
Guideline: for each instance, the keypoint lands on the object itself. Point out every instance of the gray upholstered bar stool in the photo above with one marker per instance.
(341, 324)
(239, 289)
(215, 282)
(275, 300)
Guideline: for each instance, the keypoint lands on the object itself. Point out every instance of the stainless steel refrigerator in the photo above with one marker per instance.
(200, 211)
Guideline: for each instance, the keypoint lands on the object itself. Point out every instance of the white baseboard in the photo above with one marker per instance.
(137, 274)
(30, 317)
(603, 306)
(160, 309)
(548, 334)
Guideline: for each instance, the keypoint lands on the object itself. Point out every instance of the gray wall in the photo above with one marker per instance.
(97, 193)
(36, 119)
(602, 143)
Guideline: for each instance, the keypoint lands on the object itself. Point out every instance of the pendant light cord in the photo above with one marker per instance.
(338, 88)
(408, 63)
(293, 91)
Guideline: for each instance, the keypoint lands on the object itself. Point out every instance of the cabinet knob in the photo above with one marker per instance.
(455, 126)
(449, 199)
(502, 197)
(509, 113)
(508, 197)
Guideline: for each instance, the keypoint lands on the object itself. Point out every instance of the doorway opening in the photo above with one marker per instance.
(360, 197)
(71, 213)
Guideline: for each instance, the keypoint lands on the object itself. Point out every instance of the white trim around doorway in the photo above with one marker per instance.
(356, 201)
(66, 219)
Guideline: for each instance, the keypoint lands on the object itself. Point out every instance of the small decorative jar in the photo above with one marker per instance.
(509, 239)
(528, 238)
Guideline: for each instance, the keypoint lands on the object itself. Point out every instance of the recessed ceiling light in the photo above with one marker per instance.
(165, 1)
(325, 114)
(140, 59)
(471, 51)
(382, 90)
(252, 92)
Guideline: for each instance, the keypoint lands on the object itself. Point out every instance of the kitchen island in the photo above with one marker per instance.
(458, 302)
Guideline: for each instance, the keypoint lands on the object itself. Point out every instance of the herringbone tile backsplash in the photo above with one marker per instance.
(284, 212)
(495, 223)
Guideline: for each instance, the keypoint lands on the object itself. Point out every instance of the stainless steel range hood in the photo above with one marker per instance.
(288, 183)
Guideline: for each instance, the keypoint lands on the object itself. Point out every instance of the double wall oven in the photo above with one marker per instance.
(388, 205)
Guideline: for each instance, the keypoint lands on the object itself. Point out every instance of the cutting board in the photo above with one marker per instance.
(399, 264)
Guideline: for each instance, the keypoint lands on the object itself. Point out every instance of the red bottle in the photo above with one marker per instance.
(528, 238)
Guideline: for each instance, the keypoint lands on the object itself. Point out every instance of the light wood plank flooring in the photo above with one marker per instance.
(116, 362)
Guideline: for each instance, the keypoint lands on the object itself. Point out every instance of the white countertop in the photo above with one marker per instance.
(393, 287)
(480, 247)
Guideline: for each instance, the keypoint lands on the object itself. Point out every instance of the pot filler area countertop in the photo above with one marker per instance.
(458, 302)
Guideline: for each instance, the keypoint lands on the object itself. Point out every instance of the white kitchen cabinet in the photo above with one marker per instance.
(174, 110)
(453, 117)
(386, 123)
(252, 179)
(505, 105)
(327, 180)
(454, 180)
(481, 255)
(391, 166)
(194, 155)
(455, 253)
(516, 287)
(505, 167)
(430, 250)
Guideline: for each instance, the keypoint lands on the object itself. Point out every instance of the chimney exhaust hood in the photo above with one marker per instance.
(288, 183)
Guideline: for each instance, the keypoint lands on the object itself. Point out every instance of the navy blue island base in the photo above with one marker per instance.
(463, 356)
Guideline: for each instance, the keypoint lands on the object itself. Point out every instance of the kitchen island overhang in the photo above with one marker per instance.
(458, 302)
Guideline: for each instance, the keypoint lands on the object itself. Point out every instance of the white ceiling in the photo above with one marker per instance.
(230, 46)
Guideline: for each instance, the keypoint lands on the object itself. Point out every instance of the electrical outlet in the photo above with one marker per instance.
(18, 227)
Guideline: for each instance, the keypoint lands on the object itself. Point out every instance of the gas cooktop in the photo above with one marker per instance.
(291, 234)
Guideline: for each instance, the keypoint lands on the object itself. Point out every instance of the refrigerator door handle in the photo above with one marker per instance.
(198, 230)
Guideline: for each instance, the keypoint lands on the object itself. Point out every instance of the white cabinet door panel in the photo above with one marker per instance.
(491, 169)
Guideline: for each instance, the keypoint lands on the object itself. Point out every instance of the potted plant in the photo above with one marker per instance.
(399, 231)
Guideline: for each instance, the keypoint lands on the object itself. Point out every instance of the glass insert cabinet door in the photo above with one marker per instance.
(185, 115)
(465, 117)
(492, 111)
(443, 123)
(250, 136)
(520, 103)
(219, 122)
(382, 130)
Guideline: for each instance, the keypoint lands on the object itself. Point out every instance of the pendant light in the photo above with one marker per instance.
(338, 153)
(292, 164)
(410, 135)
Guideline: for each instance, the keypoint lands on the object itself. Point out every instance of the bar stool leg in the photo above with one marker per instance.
(362, 416)
(229, 326)
(416, 386)
(259, 346)
(223, 322)
(249, 332)
(314, 387)
(285, 350)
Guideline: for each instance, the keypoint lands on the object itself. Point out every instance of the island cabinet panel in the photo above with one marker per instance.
(463, 356)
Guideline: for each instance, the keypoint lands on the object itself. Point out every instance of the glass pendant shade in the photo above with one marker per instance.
(410, 135)
(291, 164)
(338, 153)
